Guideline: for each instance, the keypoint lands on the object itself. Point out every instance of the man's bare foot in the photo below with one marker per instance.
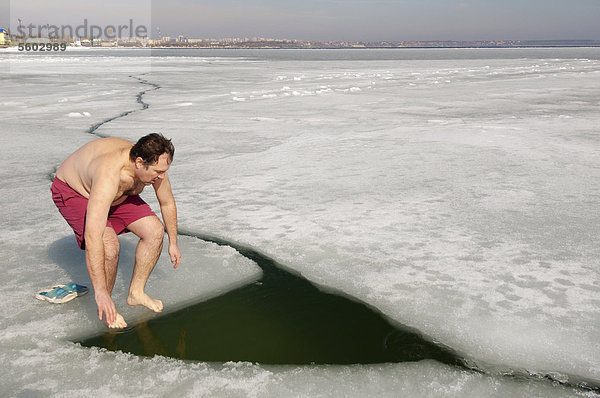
(118, 324)
(145, 300)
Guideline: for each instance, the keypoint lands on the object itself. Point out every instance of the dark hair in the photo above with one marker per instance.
(150, 147)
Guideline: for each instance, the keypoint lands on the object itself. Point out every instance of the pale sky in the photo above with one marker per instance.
(339, 20)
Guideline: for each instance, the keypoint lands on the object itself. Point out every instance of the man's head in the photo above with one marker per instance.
(150, 147)
(152, 155)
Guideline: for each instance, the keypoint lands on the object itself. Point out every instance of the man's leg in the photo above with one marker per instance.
(73, 207)
(151, 232)
(111, 262)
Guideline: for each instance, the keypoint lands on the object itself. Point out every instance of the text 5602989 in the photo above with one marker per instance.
(42, 47)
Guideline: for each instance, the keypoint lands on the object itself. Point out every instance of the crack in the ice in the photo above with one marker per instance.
(93, 129)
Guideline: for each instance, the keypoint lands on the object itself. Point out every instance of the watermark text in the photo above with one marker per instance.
(84, 30)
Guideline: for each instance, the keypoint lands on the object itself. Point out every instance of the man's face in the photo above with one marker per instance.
(155, 172)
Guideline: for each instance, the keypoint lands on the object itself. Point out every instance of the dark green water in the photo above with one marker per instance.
(281, 319)
(284, 319)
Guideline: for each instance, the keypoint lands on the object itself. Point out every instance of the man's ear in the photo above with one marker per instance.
(139, 162)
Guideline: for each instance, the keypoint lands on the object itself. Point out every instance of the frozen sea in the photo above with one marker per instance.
(456, 191)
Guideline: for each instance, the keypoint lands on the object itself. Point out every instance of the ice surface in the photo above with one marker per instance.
(459, 197)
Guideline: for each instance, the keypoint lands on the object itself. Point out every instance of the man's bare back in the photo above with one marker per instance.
(108, 174)
(79, 169)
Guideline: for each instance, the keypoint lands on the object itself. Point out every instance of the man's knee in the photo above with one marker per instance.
(154, 231)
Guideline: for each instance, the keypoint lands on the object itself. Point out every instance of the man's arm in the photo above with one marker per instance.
(104, 188)
(168, 209)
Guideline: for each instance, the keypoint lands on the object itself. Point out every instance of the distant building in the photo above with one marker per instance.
(3, 33)
(108, 43)
(40, 40)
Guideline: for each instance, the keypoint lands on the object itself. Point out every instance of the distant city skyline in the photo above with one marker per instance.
(328, 20)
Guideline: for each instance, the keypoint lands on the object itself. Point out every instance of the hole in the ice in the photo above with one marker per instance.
(281, 319)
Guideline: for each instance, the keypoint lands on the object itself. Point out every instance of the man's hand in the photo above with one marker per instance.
(106, 307)
(175, 255)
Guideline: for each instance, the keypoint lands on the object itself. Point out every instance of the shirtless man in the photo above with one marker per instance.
(96, 190)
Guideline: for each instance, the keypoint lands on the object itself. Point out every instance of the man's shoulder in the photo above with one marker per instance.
(108, 164)
(110, 151)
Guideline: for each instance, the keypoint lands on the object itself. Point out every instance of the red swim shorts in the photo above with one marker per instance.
(73, 208)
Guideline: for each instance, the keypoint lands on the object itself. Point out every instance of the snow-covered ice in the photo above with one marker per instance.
(458, 194)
